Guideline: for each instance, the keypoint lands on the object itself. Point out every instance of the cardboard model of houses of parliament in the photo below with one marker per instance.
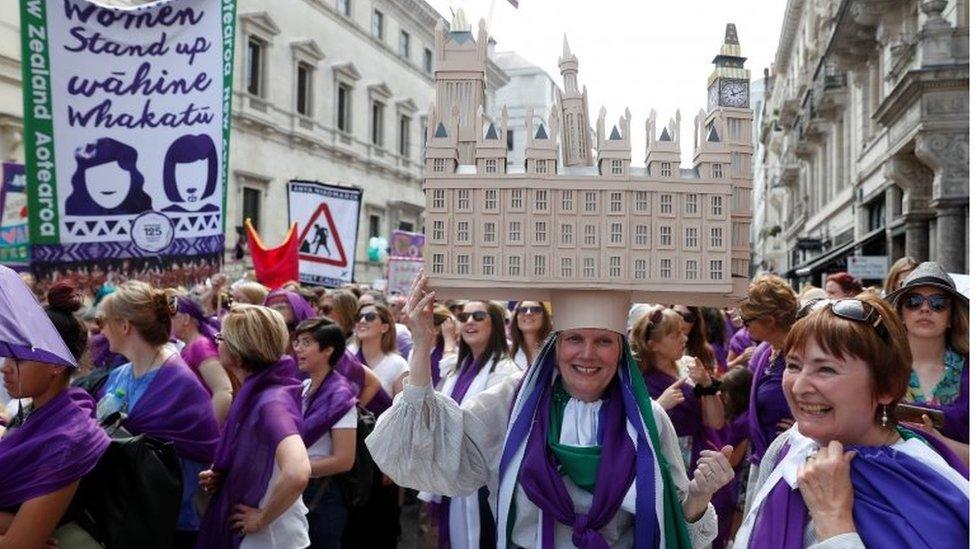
(566, 221)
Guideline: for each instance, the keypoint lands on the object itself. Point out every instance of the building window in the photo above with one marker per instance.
(616, 167)
(252, 207)
(716, 234)
(463, 232)
(615, 266)
(541, 200)
(665, 235)
(616, 202)
(589, 267)
(691, 269)
(376, 135)
(439, 164)
(540, 166)
(516, 199)
(876, 214)
(514, 231)
(715, 266)
(463, 264)
(640, 269)
(540, 265)
(489, 233)
(377, 24)
(567, 234)
(616, 233)
(640, 235)
(344, 7)
(343, 103)
(665, 169)
(438, 264)
(641, 201)
(566, 267)
(374, 225)
(666, 268)
(567, 201)
(491, 165)
(437, 233)
(404, 145)
(404, 44)
(510, 139)
(255, 66)
(666, 203)
(304, 84)
(540, 232)
(716, 205)
(514, 265)
(589, 201)
(589, 235)
(438, 193)
(405, 226)
(691, 204)
(491, 199)
(691, 237)
(488, 265)
(428, 61)
(717, 171)
(464, 199)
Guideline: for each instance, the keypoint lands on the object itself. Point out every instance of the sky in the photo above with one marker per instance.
(640, 54)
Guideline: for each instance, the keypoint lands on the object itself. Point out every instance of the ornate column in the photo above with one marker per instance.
(947, 154)
(915, 181)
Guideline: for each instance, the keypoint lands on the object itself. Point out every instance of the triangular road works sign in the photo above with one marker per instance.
(320, 240)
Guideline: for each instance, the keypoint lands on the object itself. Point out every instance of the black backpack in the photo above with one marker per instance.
(356, 483)
(132, 497)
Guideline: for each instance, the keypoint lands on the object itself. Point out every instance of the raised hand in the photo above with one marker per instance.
(699, 374)
(419, 312)
(825, 483)
(672, 396)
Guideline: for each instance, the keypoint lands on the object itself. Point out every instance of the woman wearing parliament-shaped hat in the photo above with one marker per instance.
(573, 451)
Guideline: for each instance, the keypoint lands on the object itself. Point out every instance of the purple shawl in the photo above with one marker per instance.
(176, 408)
(332, 400)
(207, 326)
(196, 352)
(686, 417)
(58, 444)
(300, 308)
(101, 356)
(898, 502)
(957, 412)
(350, 368)
(767, 403)
(266, 410)
(382, 400)
(435, 364)
(740, 341)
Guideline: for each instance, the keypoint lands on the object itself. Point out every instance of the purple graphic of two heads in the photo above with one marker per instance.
(185, 177)
(107, 181)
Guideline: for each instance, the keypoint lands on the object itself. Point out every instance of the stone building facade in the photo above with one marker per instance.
(865, 135)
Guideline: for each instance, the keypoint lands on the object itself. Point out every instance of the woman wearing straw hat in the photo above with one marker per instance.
(576, 432)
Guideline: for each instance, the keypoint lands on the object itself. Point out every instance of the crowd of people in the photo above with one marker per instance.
(304, 416)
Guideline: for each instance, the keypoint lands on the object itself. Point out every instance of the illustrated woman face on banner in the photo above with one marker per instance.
(190, 172)
(107, 181)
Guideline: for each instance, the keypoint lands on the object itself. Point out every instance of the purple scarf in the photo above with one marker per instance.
(205, 325)
(767, 403)
(101, 356)
(435, 364)
(686, 417)
(382, 400)
(332, 400)
(350, 368)
(300, 308)
(741, 341)
(898, 502)
(176, 408)
(57, 444)
(266, 410)
(957, 412)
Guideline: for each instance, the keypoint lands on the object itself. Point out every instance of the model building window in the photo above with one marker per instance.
(542, 200)
(464, 199)
(516, 199)
(640, 204)
(438, 195)
(716, 205)
(691, 269)
(567, 201)
(665, 169)
(567, 234)
(541, 230)
(491, 165)
(691, 237)
(488, 265)
(491, 199)
(566, 267)
(715, 268)
(589, 267)
(691, 204)
(463, 264)
(514, 265)
(640, 235)
(589, 201)
(735, 129)
(615, 266)
(665, 235)
(589, 235)
(616, 202)
(540, 265)
(716, 237)
(439, 164)
(617, 167)
(438, 264)
(489, 233)
(665, 268)
(666, 203)
(640, 269)
(463, 231)
(717, 171)
(437, 233)
(616, 233)
(514, 231)
(540, 166)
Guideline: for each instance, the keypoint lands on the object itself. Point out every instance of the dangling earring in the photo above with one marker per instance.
(884, 416)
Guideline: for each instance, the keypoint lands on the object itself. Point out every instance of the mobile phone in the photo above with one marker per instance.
(913, 414)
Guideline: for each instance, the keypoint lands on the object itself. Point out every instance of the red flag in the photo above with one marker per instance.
(274, 266)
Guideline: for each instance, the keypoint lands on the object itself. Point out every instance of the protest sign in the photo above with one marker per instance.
(328, 226)
(14, 240)
(400, 272)
(407, 244)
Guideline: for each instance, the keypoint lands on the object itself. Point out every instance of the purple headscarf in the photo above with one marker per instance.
(208, 328)
(767, 403)
(300, 308)
(332, 400)
(266, 410)
(58, 444)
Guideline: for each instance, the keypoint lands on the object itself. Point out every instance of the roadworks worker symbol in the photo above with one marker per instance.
(320, 241)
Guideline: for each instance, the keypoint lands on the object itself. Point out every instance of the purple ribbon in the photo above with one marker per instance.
(332, 400)
(435, 364)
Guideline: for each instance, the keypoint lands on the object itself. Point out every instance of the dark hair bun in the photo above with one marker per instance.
(64, 298)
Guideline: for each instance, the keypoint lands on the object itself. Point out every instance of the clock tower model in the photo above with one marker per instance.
(728, 85)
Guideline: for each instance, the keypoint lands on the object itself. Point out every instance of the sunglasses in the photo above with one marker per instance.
(530, 310)
(367, 317)
(849, 309)
(937, 302)
(478, 316)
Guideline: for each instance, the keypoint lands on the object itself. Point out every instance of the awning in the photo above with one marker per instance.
(834, 254)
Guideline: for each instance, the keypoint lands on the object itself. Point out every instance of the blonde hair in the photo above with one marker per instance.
(148, 310)
(256, 334)
(645, 331)
(901, 267)
(345, 306)
(254, 292)
(770, 296)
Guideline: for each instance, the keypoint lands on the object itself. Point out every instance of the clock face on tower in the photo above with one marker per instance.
(734, 93)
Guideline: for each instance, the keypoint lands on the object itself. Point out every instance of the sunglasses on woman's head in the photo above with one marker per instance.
(367, 317)
(656, 317)
(848, 309)
(478, 316)
(530, 310)
(937, 302)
